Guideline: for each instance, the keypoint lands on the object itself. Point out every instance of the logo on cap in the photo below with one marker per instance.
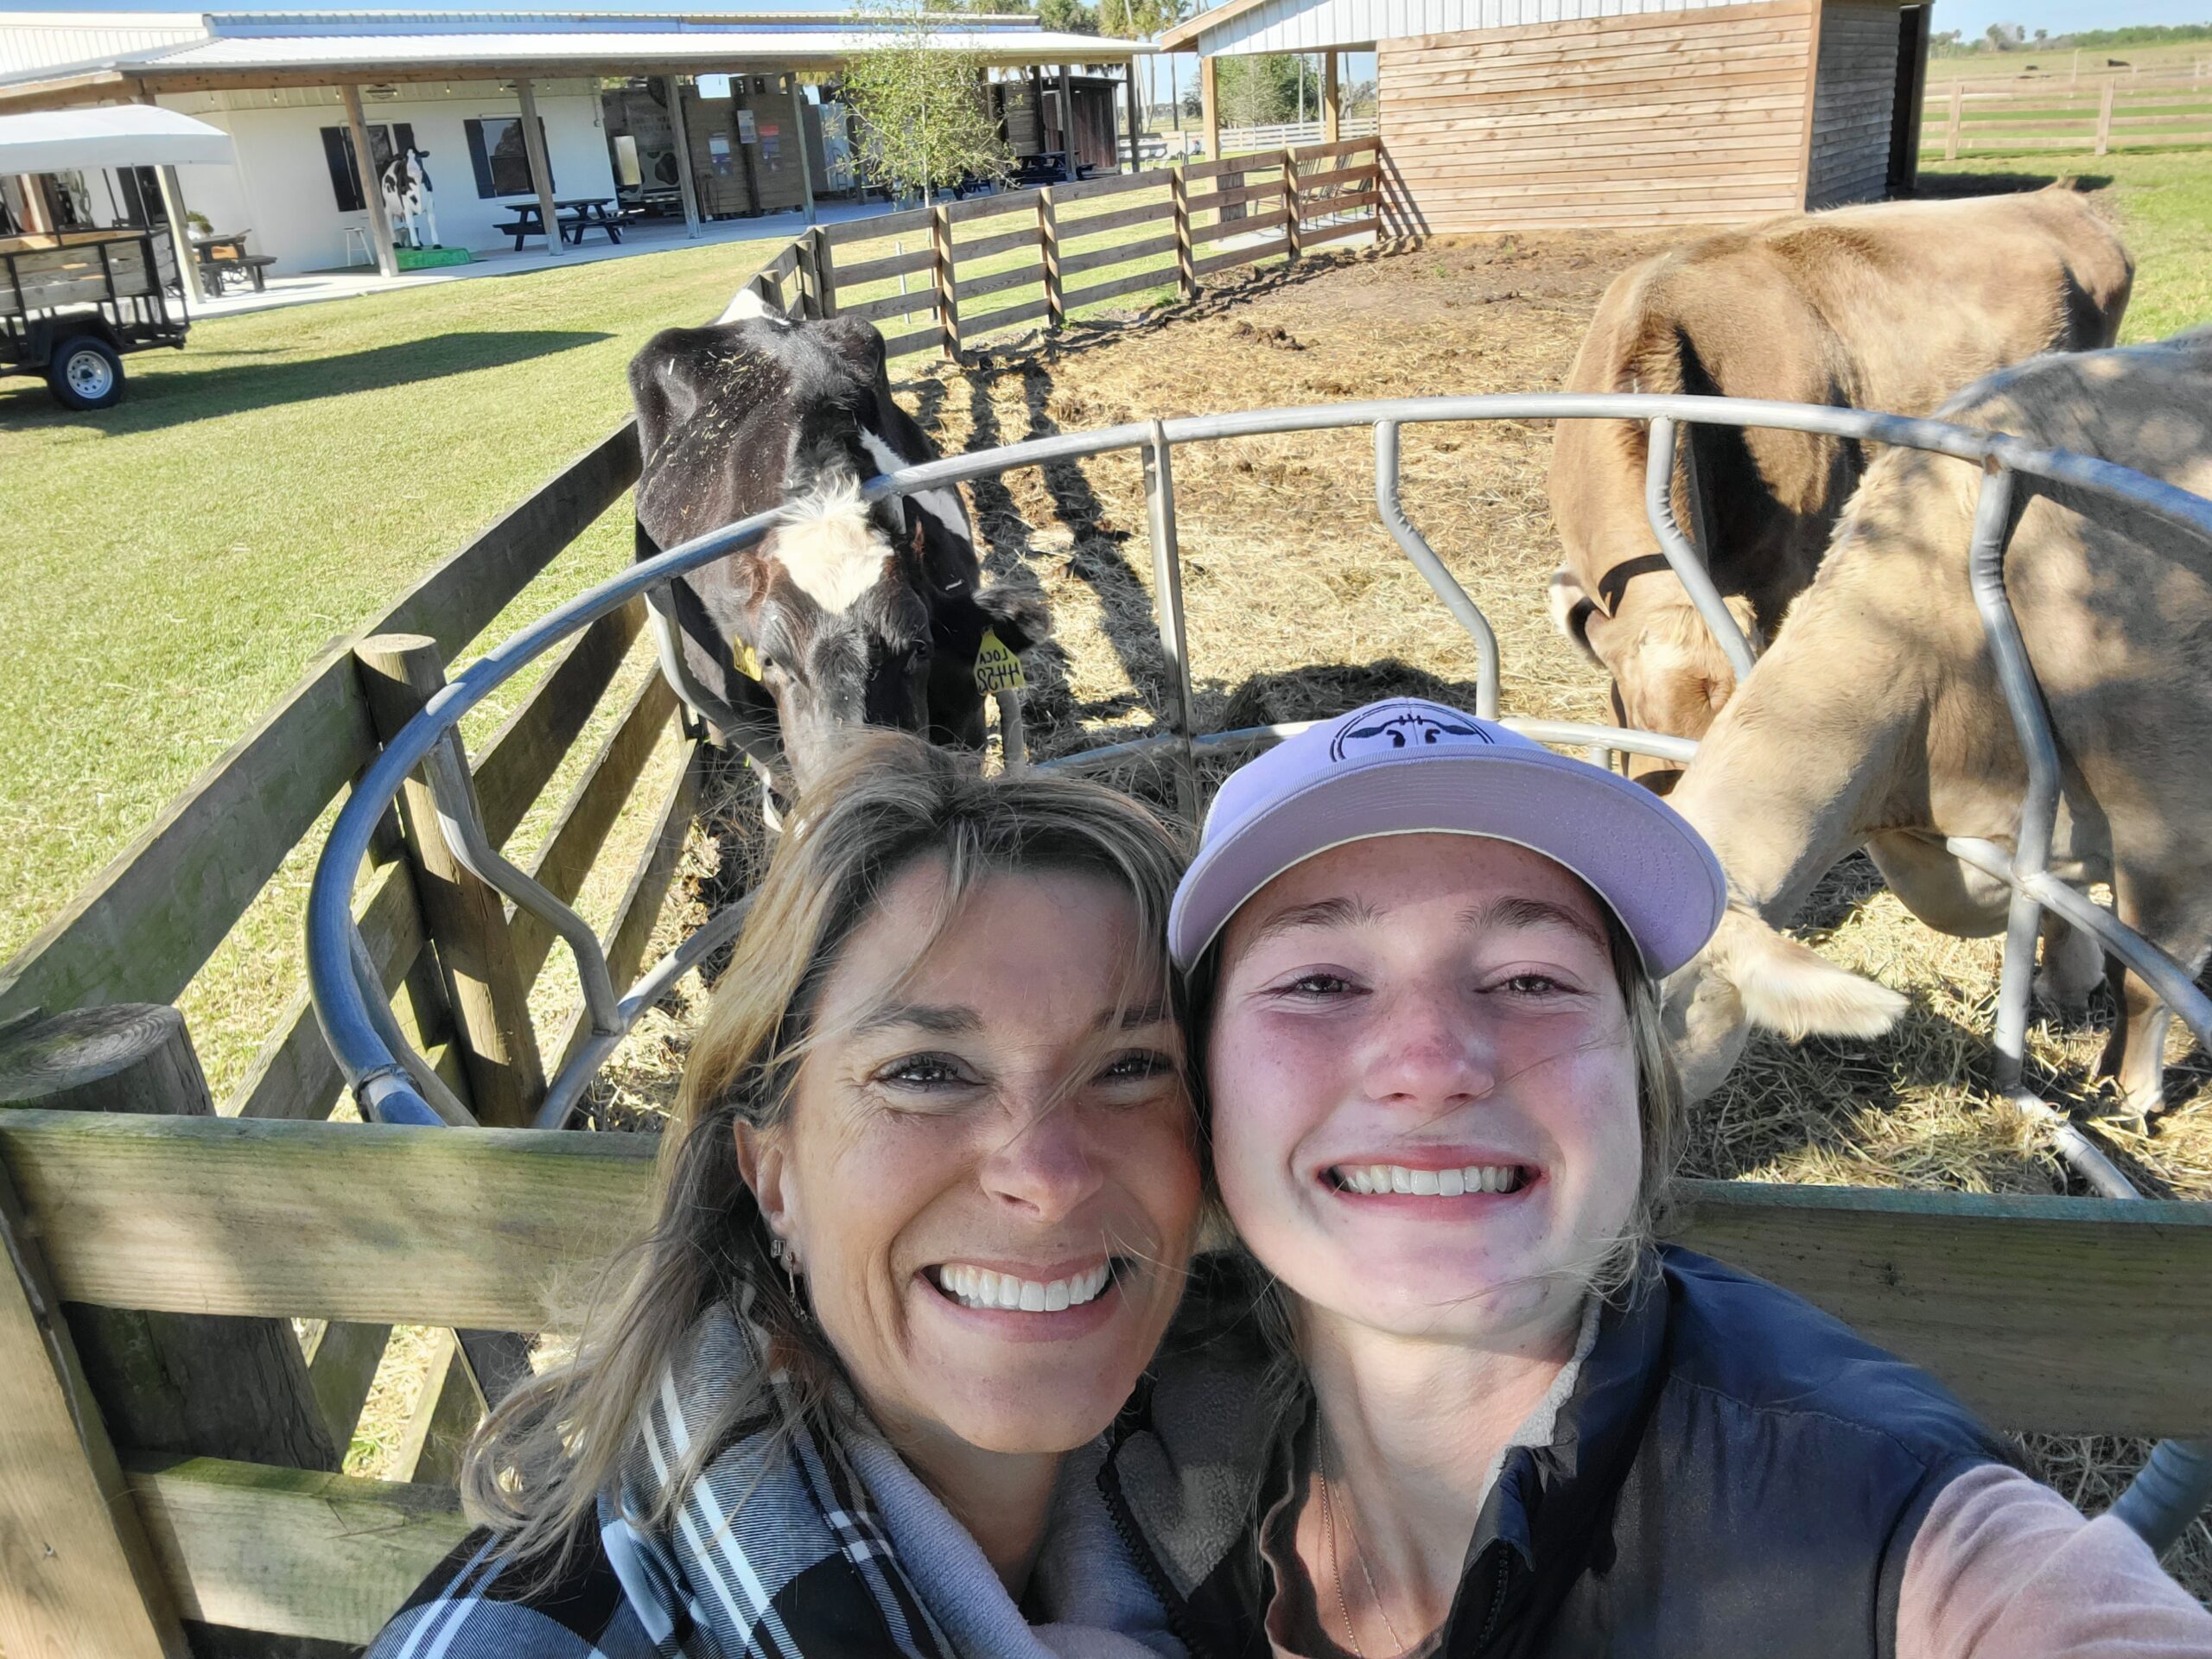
(1395, 726)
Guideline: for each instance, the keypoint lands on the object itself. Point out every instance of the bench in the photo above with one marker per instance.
(251, 267)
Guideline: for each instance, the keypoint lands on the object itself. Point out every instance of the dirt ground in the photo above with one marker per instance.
(1300, 605)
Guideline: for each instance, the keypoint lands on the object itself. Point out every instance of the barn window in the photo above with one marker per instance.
(497, 152)
(345, 176)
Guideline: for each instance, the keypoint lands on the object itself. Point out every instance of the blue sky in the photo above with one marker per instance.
(1971, 17)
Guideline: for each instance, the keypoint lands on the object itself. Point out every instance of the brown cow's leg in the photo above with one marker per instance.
(2135, 1055)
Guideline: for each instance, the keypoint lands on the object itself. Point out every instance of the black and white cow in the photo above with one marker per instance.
(407, 201)
(845, 614)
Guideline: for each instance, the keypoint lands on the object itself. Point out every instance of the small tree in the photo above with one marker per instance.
(924, 124)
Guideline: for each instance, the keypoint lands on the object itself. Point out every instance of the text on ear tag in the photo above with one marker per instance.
(997, 668)
(747, 660)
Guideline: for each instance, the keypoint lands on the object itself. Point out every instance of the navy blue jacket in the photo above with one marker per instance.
(1735, 1472)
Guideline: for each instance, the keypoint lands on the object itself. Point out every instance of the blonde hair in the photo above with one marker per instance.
(543, 1458)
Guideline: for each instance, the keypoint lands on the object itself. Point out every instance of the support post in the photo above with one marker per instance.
(372, 188)
(684, 184)
(825, 272)
(1958, 114)
(77, 1573)
(798, 134)
(1129, 90)
(1209, 106)
(1332, 100)
(172, 209)
(465, 918)
(948, 308)
(2104, 117)
(1291, 205)
(1067, 123)
(214, 1387)
(1167, 597)
(1048, 247)
(541, 172)
(1186, 272)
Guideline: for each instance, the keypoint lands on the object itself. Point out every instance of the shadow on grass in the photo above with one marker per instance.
(1948, 186)
(154, 401)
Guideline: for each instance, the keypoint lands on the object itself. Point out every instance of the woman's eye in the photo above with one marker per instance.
(1136, 1066)
(1318, 984)
(924, 1072)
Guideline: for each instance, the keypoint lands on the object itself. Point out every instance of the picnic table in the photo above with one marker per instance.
(223, 258)
(572, 217)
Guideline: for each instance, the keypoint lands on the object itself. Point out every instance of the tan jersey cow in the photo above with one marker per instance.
(1893, 308)
(1877, 717)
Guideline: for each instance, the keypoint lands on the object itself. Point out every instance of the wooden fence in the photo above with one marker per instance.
(2098, 115)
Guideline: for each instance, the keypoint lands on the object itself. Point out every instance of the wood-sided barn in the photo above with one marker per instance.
(1499, 114)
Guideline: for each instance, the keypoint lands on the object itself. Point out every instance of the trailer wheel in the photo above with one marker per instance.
(85, 372)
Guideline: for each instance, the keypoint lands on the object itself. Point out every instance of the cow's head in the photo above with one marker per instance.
(1751, 977)
(1669, 674)
(842, 626)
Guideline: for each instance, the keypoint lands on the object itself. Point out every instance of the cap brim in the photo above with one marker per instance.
(1655, 873)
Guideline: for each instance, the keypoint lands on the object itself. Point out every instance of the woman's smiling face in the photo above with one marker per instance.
(1424, 1096)
(989, 1174)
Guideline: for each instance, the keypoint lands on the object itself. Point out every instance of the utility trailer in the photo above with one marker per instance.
(72, 303)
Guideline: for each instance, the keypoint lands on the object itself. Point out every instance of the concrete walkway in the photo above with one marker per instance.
(638, 237)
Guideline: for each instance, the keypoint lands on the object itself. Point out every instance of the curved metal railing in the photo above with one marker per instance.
(392, 1083)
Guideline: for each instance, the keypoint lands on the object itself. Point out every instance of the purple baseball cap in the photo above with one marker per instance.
(1406, 766)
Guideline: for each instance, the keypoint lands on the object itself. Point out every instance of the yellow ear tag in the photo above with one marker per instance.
(749, 662)
(997, 668)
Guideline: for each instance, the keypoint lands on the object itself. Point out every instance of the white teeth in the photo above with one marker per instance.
(982, 1287)
(1421, 1182)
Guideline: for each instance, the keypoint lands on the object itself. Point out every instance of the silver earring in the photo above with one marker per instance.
(787, 1259)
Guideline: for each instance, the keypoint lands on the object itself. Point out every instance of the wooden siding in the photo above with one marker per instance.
(1316, 25)
(1679, 117)
(1851, 100)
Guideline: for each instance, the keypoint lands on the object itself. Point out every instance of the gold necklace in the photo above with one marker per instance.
(1359, 1555)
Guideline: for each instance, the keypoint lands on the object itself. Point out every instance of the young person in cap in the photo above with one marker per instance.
(1480, 1410)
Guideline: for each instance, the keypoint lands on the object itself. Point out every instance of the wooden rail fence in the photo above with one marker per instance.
(170, 1466)
(2099, 116)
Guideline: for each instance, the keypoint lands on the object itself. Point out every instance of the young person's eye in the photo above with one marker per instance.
(1318, 983)
(1534, 985)
(1137, 1065)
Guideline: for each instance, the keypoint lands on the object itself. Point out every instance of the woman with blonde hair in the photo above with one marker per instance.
(924, 1210)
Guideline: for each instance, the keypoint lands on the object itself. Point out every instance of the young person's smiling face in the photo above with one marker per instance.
(1423, 1092)
(998, 1108)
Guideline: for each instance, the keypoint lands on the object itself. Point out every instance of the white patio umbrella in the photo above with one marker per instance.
(121, 134)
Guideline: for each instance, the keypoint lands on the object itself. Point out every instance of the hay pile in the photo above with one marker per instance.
(1300, 605)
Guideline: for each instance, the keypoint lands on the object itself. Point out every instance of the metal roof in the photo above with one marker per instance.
(239, 48)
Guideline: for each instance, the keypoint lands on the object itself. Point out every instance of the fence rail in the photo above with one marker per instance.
(2098, 115)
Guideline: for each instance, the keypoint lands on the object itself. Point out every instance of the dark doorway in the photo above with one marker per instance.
(1905, 106)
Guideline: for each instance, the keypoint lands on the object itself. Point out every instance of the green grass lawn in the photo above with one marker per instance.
(176, 560)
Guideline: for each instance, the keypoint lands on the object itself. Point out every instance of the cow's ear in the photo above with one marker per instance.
(1018, 619)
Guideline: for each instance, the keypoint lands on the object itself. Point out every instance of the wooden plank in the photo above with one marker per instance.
(1342, 175)
(1000, 281)
(921, 339)
(874, 270)
(1262, 161)
(523, 756)
(295, 1074)
(228, 1216)
(341, 1369)
(1144, 213)
(1240, 257)
(969, 211)
(1108, 185)
(77, 1575)
(648, 889)
(1338, 147)
(1002, 242)
(1201, 234)
(894, 305)
(1351, 202)
(1123, 253)
(877, 227)
(1159, 276)
(1048, 255)
(948, 304)
(1217, 199)
(324, 1556)
(466, 917)
(144, 925)
(1028, 311)
(589, 817)
(1339, 232)
(446, 1411)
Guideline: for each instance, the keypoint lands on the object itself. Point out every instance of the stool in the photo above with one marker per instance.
(356, 238)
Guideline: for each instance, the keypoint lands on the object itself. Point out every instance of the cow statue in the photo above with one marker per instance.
(1877, 718)
(407, 201)
(1893, 307)
(846, 613)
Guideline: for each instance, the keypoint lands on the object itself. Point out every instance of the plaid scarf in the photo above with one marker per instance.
(775, 1552)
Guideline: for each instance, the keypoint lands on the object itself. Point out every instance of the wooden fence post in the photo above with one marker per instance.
(1290, 203)
(825, 271)
(1048, 246)
(195, 1384)
(1958, 114)
(466, 920)
(2104, 117)
(803, 256)
(77, 1573)
(1186, 275)
(948, 308)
